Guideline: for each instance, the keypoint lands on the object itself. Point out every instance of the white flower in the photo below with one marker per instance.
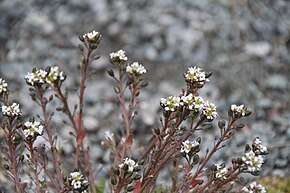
(258, 147)
(3, 86)
(77, 185)
(187, 146)
(238, 110)
(91, 35)
(221, 172)
(54, 75)
(109, 136)
(12, 110)
(36, 77)
(130, 163)
(32, 129)
(252, 161)
(193, 102)
(254, 188)
(209, 110)
(171, 103)
(120, 55)
(77, 180)
(136, 68)
(195, 74)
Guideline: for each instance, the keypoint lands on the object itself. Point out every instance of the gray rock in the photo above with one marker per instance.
(277, 81)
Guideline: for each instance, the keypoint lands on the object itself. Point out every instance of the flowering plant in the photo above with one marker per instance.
(174, 144)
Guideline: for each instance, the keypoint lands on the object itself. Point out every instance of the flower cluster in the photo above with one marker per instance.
(37, 76)
(32, 129)
(119, 55)
(12, 110)
(258, 147)
(193, 102)
(209, 110)
(171, 103)
(195, 74)
(40, 76)
(3, 86)
(252, 162)
(78, 182)
(136, 69)
(129, 165)
(221, 171)
(254, 188)
(54, 75)
(91, 36)
(189, 146)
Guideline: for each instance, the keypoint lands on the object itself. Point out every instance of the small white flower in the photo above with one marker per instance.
(77, 180)
(238, 110)
(120, 55)
(252, 161)
(254, 188)
(77, 185)
(194, 103)
(171, 103)
(54, 75)
(109, 136)
(258, 147)
(32, 129)
(136, 68)
(37, 77)
(209, 110)
(187, 146)
(195, 74)
(130, 163)
(91, 35)
(12, 110)
(3, 86)
(221, 172)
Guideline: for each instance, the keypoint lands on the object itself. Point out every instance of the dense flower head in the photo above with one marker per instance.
(193, 102)
(32, 129)
(196, 74)
(136, 69)
(258, 147)
(12, 110)
(54, 75)
(209, 110)
(188, 146)
(254, 188)
(252, 162)
(171, 103)
(238, 110)
(128, 164)
(119, 55)
(37, 76)
(221, 172)
(91, 36)
(78, 182)
(3, 86)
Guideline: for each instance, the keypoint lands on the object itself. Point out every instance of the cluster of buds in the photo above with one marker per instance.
(220, 171)
(3, 86)
(254, 188)
(32, 129)
(11, 110)
(50, 76)
(252, 160)
(189, 149)
(239, 111)
(77, 182)
(109, 141)
(129, 165)
(136, 69)
(93, 38)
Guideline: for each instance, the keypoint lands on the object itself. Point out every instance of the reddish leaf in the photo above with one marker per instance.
(129, 140)
(137, 186)
(77, 121)
(81, 136)
(195, 183)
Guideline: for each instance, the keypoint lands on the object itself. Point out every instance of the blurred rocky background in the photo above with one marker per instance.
(245, 43)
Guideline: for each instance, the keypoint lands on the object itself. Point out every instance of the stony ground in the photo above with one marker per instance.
(245, 43)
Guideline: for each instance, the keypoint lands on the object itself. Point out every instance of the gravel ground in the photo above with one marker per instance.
(245, 43)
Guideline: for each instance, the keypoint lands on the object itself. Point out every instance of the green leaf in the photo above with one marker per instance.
(101, 187)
